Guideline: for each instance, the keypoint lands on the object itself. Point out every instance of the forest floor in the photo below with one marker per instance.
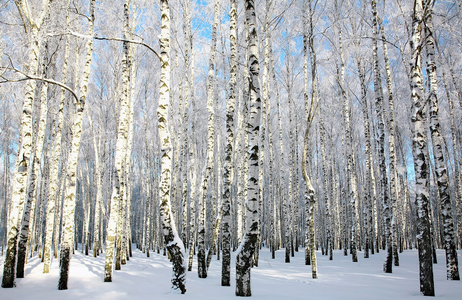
(149, 278)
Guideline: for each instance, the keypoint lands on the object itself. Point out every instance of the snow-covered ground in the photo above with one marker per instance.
(149, 278)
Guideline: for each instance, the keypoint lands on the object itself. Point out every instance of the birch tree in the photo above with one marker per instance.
(419, 147)
(352, 180)
(228, 166)
(387, 267)
(114, 230)
(173, 242)
(392, 165)
(452, 268)
(54, 181)
(310, 110)
(70, 189)
(189, 173)
(249, 241)
(25, 149)
(31, 193)
(207, 179)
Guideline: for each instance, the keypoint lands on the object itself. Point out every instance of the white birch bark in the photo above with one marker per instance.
(370, 193)
(126, 136)
(118, 201)
(189, 174)
(352, 197)
(280, 186)
(264, 123)
(207, 179)
(53, 186)
(327, 213)
(97, 246)
(288, 201)
(310, 110)
(172, 240)
(391, 148)
(456, 152)
(25, 148)
(148, 221)
(192, 175)
(126, 245)
(70, 189)
(185, 125)
(67, 140)
(379, 107)
(242, 155)
(32, 194)
(228, 166)
(271, 239)
(452, 268)
(419, 145)
(247, 247)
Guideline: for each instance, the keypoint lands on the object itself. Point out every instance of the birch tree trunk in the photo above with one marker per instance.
(288, 201)
(172, 240)
(327, 213)
(456, 151)
(99, 159)
(419, 145)
(185, 124)
(310, 110)
(192, 173)
(127, 237)
(387, 267)
(391, 148)
(264, 123)
(352, 197)
(207, 179)
(148, 221)
(247, 247)
(271, 240)
(280, 187)
(228, 166)
(70, 189)
(369, 193)
(115, 224)
(242, 153)
(189, 172)
(452, 268)
(25, 149)
(53, 187)
(127, 135)
(32, 194)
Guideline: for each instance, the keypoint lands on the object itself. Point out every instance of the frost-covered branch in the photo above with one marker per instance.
(39, 78)
(129, 41)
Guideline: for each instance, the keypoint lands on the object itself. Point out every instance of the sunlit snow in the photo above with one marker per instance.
(149, 278)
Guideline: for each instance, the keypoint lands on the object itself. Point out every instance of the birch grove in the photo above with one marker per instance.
(220, 129)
